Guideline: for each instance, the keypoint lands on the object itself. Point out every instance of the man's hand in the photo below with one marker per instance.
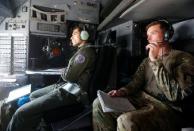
(114, 93)
(153, 51)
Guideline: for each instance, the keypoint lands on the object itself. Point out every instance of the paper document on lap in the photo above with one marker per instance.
(114, 104)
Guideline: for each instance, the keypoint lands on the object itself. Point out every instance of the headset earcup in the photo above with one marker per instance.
(84, 35)
(166, 36)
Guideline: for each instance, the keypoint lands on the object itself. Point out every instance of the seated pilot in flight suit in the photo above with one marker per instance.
(77, 74)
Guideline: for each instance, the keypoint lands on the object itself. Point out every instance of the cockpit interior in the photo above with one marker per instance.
(35, 45)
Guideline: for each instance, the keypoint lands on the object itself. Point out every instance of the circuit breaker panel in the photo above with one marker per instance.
(5, 54)
(13, 54)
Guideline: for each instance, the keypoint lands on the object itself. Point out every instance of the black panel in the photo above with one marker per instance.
(48, 52)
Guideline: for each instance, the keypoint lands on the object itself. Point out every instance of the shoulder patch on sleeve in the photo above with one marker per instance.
(80, 58)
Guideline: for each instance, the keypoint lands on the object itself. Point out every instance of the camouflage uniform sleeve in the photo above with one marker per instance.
(137, 81)
(178, 84)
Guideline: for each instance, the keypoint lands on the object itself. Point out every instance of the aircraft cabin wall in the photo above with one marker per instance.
(183, 38)
(126, 38)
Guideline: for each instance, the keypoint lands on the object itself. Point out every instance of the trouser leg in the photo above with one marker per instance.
(149, 118)
(134, 120)
(28, 116)
(33, 95)
(43, 91)
(103, 121)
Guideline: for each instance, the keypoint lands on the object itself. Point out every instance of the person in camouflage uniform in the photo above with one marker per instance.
(79, 70)
(160, 88)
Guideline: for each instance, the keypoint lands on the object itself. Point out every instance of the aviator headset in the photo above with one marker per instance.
(169, 29)
(84, 35)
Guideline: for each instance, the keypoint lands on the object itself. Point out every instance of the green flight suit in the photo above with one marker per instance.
(80, 67)
(157, 90)
(79, 70)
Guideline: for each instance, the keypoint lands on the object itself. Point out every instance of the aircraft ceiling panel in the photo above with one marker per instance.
(76, 10)
(83, 10)
(151, 9)
(142, 10)
(56, 4)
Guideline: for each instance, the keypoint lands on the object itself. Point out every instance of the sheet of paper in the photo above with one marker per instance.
(114, 104)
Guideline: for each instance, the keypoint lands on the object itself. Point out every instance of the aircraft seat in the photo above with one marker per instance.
(187, 45)
(80, 115)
